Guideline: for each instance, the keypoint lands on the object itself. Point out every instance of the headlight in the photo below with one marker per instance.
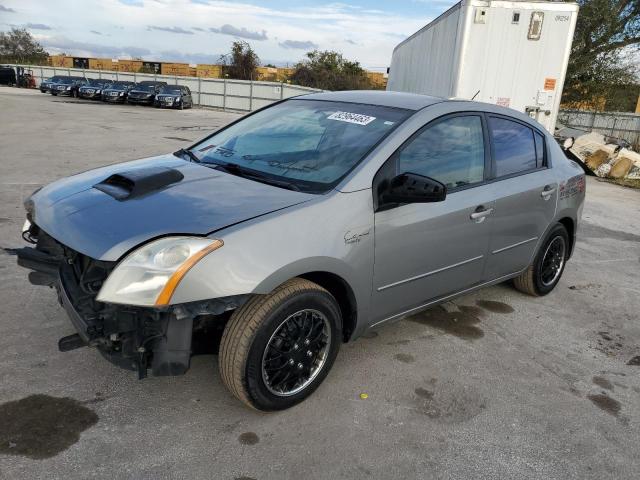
(69, 88)
(149, 275)
(121, 94)
(97, 91)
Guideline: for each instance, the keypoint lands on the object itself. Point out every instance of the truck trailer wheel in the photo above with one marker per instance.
(544, 273)
(277, 348)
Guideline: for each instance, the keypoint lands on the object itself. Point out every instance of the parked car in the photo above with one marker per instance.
(7, 75)
(45, 85)
(93, 89)
(302, 226)
(174, 96)
(145, 92)
(117, 92)
(67, 86)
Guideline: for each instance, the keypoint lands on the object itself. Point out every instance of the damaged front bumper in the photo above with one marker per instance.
(134, 338)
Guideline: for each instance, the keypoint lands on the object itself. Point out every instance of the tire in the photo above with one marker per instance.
(249, 338)
(534, 280)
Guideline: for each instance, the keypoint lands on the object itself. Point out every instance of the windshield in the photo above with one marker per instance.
(170, 90)
(65, 81)
(118, 86)
(145, 88)
(309, 143)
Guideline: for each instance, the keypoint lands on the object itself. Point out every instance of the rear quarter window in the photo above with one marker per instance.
(540, 156)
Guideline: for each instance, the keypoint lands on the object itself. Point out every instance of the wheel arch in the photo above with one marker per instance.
(570, 225)
(334, 276)
(344, 295)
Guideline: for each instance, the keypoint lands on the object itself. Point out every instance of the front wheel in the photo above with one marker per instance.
(276, 349)
(544, 273)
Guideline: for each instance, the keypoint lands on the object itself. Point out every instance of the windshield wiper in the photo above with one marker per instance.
(235, 169)
(183, 152)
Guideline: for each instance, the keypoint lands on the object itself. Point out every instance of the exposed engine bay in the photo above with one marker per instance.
(134, 338)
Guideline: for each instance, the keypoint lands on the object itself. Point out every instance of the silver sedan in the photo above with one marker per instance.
(299, 227)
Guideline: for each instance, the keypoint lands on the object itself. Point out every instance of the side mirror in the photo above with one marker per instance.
(568, 143)
(413, 188)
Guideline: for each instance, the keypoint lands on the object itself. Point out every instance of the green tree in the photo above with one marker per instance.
(18, 46)
(241, 62)
(329, 70)
(607, 36)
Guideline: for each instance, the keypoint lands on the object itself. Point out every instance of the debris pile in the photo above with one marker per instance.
(606, 159)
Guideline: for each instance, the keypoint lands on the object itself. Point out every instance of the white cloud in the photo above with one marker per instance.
(170, 29)
(299, 45)
(362, 34)
(239, 32)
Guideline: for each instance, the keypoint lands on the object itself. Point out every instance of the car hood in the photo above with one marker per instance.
(96, 224)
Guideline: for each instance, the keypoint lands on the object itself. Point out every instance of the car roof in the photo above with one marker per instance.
(409, 101)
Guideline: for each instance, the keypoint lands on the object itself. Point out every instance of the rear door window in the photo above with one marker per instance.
(514, 149)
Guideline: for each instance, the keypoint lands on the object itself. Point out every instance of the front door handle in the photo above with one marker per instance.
(480, 214)
(547, 192)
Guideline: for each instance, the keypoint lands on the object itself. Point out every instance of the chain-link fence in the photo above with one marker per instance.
(227, 94)
(625, 126)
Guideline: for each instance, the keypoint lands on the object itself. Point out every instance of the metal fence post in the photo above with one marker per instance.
(281, 90)
(224, 95)
(199, 90)
(251, 96)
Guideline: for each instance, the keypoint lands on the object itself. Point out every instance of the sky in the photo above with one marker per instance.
(199, 31)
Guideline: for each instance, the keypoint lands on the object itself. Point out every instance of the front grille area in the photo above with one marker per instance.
(134, 338)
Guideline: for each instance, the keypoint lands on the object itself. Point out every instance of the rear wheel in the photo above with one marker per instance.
(545, 271)
(277, 348)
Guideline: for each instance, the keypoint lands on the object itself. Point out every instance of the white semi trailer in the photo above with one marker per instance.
(510, 53)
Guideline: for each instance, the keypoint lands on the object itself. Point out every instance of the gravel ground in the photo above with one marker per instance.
(516, 387)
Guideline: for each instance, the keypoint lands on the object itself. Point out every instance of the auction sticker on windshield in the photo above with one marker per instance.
(348, 117)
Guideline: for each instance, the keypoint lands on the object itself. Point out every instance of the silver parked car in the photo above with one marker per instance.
(299, 227)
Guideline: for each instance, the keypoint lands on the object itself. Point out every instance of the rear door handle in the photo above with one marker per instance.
(547, 192)
(480, 214)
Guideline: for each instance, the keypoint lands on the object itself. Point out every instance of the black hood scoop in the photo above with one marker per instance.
(137, 183)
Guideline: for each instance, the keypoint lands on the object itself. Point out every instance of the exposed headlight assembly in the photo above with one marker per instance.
(149, 275)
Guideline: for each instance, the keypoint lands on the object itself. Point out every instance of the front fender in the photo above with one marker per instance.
(332, 234)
